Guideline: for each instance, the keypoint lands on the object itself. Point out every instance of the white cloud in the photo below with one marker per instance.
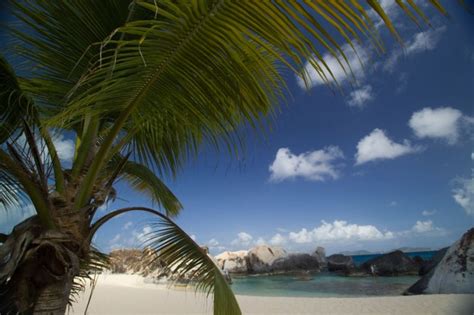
(260, 241)
(441, 123)
(420, 42)
(427, 213)
(339, 231)
(316, 165)
(193, 237)
(423, 227)
(340, 75)
(463, 194)
(361, 96)
(140, 237)
(377, 146)
(64, 147)
(278, 240)
(393, 204)
(115, 239)
(213, 242)
(127, 225)
(243, 239)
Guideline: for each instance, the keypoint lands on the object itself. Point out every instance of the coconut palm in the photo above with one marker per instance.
(139, 86)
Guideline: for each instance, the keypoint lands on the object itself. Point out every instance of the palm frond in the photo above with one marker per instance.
(15, 106)
(182, 255)
(143, 179)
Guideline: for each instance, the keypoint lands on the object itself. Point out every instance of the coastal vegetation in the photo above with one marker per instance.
(139, 86)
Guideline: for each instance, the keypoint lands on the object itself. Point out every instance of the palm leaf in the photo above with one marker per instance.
(181, 254)
(142, 179)
(15, 106)
(184, 257)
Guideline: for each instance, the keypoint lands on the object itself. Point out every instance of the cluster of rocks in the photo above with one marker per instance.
(147, 263)
(265, 260)
(451, 270)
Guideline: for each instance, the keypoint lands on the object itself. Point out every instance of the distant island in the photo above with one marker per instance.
(358, 253)
(403, 249)
(414, 249)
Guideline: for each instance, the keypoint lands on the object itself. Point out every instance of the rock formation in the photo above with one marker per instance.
(427, 266)
(295, 262)
(392, 264)
(261, 258)
(454, 273)
(320, 254)
(340, 263)
(233, 262)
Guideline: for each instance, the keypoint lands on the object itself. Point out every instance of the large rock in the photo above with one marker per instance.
(392, 264)
(296, 262)
(233, 262)
(261, 258)
(320, 255)
(429, 265)
(340, 263)
(454, 273)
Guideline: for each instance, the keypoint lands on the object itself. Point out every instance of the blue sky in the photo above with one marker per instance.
(388, 163)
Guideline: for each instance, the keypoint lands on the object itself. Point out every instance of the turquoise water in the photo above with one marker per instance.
(321, 285)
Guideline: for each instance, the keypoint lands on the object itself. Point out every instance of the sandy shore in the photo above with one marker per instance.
(128, 294)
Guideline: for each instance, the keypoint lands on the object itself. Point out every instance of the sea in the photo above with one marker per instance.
(326, 284)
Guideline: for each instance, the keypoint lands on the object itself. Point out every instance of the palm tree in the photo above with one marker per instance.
(139, 85)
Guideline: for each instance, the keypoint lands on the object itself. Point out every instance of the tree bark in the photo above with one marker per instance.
(37, 270)
(53, 298)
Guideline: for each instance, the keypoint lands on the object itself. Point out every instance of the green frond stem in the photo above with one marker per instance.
(58, 171)
(30, 138)
(34, 193)
(87, 143)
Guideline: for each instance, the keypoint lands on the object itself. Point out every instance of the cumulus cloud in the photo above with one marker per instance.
(278, 240)
(243, 239)
(318, 165)
(377, 146)
(463, 194)
(339, 231)
(64, 147)
(361, 96)
(339, 72)
(420, 42)
(442, 123)
(140, 237)
(127, 225)
(115, 239)
(423, 227)
(260, 241)
(427, 213)
(213, 242)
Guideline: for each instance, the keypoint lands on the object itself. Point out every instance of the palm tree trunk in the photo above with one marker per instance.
(53, 298)
(38, 270)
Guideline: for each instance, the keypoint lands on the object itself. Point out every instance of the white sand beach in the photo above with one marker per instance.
(129, 294)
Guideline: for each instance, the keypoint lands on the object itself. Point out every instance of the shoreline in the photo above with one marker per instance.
(130, 294)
